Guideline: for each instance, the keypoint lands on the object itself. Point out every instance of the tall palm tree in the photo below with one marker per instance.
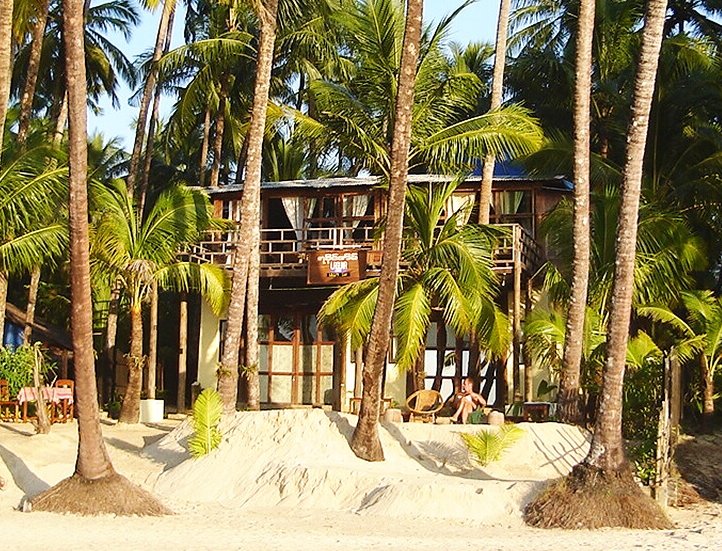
(569, 410)
(604, 466)
(140, 253)
(365, 442)
(497, 88)
(148, 88)
(447, 271)
(6, 58)
(30, 192)
(703, 332)
(244, 286)
(77, 493)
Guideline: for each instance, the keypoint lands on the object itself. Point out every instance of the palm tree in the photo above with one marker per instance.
(365, 442)
(140, 252)
(604, 467)
(30, 192)
(6, 58)
(702, 333)
(497, 88)
(569, 410)
(356, 115)
(77, 494)
(150, 82)
(245, 280)
(447, 273)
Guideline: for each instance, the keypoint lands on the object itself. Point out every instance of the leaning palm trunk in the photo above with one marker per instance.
(160, 41)
(251, 371)
(32, 301)
(109, 492)
(250, 211)
(365, 442)
(569, 399)
(6, 28)
(497, 89)
(152, 343)
(601, 491)
(31, 72)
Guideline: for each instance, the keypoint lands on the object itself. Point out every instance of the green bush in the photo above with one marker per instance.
(207, 412)
(487, 446)
(16, 367)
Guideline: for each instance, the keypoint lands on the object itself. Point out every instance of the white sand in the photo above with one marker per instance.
(288, 480)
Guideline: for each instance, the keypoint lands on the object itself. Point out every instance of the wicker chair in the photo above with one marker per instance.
(424, 405)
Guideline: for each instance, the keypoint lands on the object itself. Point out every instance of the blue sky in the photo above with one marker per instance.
(476, 23)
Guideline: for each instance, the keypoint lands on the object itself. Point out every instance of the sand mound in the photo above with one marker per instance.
(302, 459)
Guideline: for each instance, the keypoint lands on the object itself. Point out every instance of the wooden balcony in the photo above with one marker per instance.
(284, 252)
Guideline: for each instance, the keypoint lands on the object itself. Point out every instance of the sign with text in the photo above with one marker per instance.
(336, 267)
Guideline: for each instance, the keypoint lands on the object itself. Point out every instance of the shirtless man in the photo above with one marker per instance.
(468, 401)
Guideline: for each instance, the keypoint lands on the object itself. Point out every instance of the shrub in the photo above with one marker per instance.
(16, 367)
(207, 412)
(487, 446)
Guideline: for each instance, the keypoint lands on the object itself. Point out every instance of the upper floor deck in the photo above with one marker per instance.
(307, 222)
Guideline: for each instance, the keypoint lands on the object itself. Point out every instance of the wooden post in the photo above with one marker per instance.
(528, 378)
(182, 352)
(341, 356)
(675, 395)
(516, 315)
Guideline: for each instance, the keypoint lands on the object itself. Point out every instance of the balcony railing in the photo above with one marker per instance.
(284, 251)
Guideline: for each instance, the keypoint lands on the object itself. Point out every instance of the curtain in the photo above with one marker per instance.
(356, 206)
(461, 203)
(298, 209)
(509, 202)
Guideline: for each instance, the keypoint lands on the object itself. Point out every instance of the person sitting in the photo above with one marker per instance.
(466, 401)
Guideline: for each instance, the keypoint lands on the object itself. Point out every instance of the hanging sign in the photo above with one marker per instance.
(336, 267)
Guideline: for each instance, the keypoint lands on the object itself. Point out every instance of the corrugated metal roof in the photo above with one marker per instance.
(557, 182)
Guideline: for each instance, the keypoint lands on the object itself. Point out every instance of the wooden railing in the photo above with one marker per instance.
(284, 251)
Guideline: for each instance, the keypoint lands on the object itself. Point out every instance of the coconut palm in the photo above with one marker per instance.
(6, 58)
(604, 470)
(244, 286)
(570, 411)
(356, 116)
(31, 188)
(140, 252)
(77, 493)
(700, 337)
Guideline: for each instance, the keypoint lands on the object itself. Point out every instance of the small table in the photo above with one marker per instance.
(536, 411)
(58, 396)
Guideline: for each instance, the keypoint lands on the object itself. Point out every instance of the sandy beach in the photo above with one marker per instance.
(288, 480)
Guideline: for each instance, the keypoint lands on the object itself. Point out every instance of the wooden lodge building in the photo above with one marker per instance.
(319, 234)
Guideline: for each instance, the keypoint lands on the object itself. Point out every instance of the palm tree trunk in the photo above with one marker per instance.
(31, 71)
(606, 451)
(61, 121)
(707, 375)
(218, 138)
(93, 462)
(6, 27)
(154, 118)
(204, 148)
(252, 378)
(111, 333)
(365, 442)
(250, 206)
(182, 352)
(152, 343)
(497, 90)
(569, 400)
(160, 40)
(3, 303)
(440, 353)
(130, 408)
(32, 301)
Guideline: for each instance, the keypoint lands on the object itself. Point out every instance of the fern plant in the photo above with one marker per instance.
(207, 412)
(488, 446)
